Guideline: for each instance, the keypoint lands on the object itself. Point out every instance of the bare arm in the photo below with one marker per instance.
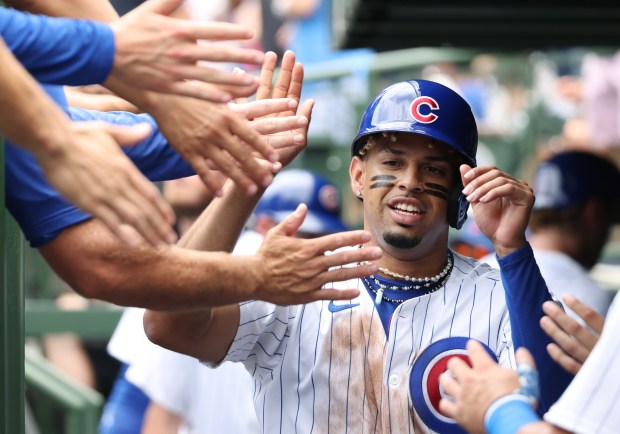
(78, 157)
(208, 333)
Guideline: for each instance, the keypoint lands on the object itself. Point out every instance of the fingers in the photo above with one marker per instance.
(296, 84)
(250, 136)
(487, 183)
(217, 31)
(458, 367)
(266, 75)
(564, 360)
(281, 86)
(201, 167)
(264, 107)
(448, 408)
(279, 125)
(591, 317)
(335, 294)
(567, 333)
(478, 355)
(290, 225)
(129, 135)
(199, 90)
(335, 241)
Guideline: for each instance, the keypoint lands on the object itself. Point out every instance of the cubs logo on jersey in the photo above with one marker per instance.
(422, 109)
(424, 388)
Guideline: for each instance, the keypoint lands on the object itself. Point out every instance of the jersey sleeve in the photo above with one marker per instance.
(526, 291)
(43, 213)
(505, 346)
(59, 50)
(166, 377)
(261, 338)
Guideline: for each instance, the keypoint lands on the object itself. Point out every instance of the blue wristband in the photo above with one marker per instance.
(508, 414)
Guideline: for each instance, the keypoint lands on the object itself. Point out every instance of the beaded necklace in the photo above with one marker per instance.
(429, 284)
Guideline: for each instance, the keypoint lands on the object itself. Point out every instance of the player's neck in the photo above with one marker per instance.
(427, 266)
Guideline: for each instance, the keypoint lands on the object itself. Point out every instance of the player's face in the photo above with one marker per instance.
(405, 183)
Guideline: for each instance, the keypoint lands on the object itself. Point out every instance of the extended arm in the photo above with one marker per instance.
(502, 206)
(147, 48)
(298, 267)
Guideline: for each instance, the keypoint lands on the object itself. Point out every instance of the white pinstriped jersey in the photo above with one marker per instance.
(591, 404)
(317, 371)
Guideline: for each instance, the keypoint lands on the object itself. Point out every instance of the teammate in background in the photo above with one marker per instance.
(571, 222)
(489, 398)
(184, 393)
(320, 366)
(125, 407)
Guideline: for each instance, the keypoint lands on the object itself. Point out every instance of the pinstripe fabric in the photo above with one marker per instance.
(591, 404)
(321, 372)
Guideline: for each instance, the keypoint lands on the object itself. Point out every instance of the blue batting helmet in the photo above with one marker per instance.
(430, 109)
(295, 186)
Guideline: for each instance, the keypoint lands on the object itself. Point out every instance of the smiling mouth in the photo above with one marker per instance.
(406, 209)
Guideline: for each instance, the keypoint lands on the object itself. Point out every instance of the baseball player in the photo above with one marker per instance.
(370, 362)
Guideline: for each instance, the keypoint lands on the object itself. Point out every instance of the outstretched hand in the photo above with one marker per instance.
(501, 205)
(573, 341)
(157, 52)
(471, 390)
(91, 171)
(293, 270)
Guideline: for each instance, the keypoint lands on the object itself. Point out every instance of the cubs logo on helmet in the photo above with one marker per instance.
(424, 388)
(424, 104)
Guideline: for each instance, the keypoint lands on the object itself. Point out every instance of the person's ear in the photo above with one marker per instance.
(356, 175)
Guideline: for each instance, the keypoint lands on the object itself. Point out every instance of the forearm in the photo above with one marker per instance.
(29, 116)
(94, 263)
(526, 291)
(219, 226)
(99, 10)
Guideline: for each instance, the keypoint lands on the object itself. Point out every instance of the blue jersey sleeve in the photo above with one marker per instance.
(43, 213)
(526, 291)
(59, 50)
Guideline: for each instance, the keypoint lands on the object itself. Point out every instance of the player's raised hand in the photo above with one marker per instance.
(91, 171)
(293, 270)
(158, 52)
(573, 341)
(471, 390)
(501, 205)
(288, 84)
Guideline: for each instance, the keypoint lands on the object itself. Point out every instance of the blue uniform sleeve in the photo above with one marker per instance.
(43, 213)
(59, 50)
(526, 291)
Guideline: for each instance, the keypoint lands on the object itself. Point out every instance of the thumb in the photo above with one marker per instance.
(163, 7)
(290, 225)
(129, 135)
(524, 356)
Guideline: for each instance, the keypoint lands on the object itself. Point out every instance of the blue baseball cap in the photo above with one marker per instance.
(295, 186)
(571, 178)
